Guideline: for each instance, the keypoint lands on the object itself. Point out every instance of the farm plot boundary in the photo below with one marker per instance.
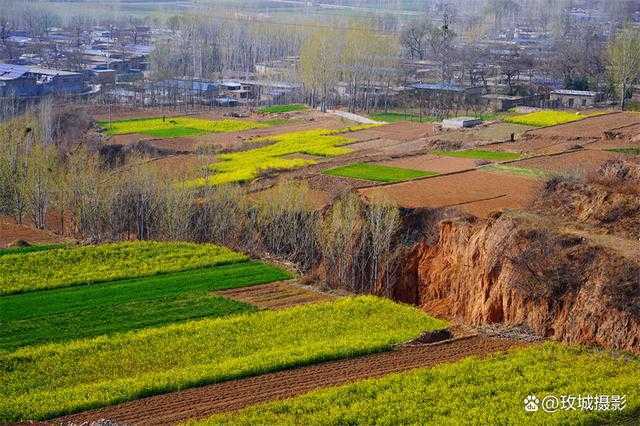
(234, 395)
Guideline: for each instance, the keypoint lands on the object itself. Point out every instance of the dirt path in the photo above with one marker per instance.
(237, 394)
(355, 117)
(275, 295)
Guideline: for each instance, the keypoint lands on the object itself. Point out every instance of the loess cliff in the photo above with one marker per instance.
(506, 270)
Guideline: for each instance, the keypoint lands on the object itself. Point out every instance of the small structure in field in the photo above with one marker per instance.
(460, 122)
(575, 98)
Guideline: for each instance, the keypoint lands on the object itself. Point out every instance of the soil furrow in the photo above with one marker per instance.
(274, 296)
(237, 394)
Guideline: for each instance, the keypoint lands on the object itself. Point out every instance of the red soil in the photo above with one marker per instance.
(403, 131)
(475, 274)
(237, 394)
(580, 162)
(10, 231)
(592, 127)
(478, 193)
(433, 163)
(535, 145)
(274, 296)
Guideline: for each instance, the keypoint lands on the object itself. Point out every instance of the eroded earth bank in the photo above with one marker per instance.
(567, 267)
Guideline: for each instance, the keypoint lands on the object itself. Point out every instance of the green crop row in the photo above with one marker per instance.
(396, 117)
(377, 172)
(518, 171)
(45, 381)
(473, 391)
(106, 308)
(29, 249)
(90, 264)
(478, 154)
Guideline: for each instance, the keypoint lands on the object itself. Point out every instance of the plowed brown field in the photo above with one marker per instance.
(274, 296)
(579, 162)
(592, 127)
(236, 394)
(476, 192)
(433, 163)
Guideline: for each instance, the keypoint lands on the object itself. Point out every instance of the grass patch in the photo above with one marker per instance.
(87, 311)
(519, 171)
(627, 151)
(173, 127)
(278, 109)
(247, 165)
(478, 154)
(396, 117)
(546, 118)
(107, 262)
(29, 249)
(488, 116)
(490, 391)
(45, 381)
(377, 173)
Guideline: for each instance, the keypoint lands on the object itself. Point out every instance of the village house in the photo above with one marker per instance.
(574, 98)
(27, 81)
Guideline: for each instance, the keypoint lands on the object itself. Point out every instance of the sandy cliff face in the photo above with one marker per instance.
(506, 271)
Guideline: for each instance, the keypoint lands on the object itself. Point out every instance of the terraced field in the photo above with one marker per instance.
(29, 249)
(276, 155)
(279, 109)
(173, 127)
(237, 394)
(48, 380)
(478, 154)
(490, 391)
(87, 311)
(377, 173)
(90, 264)
(546, 118)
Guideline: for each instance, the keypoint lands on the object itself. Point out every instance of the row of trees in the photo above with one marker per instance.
(214, 45)
(361, 58)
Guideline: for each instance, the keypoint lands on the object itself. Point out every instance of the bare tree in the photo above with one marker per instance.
(441, 42)
(414, 39)
(319, 64)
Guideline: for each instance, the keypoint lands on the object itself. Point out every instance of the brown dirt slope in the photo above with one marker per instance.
(512, 271)
(236, 394)
(10, 231)
(577, 162)
(275, 295)
(607, 198)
